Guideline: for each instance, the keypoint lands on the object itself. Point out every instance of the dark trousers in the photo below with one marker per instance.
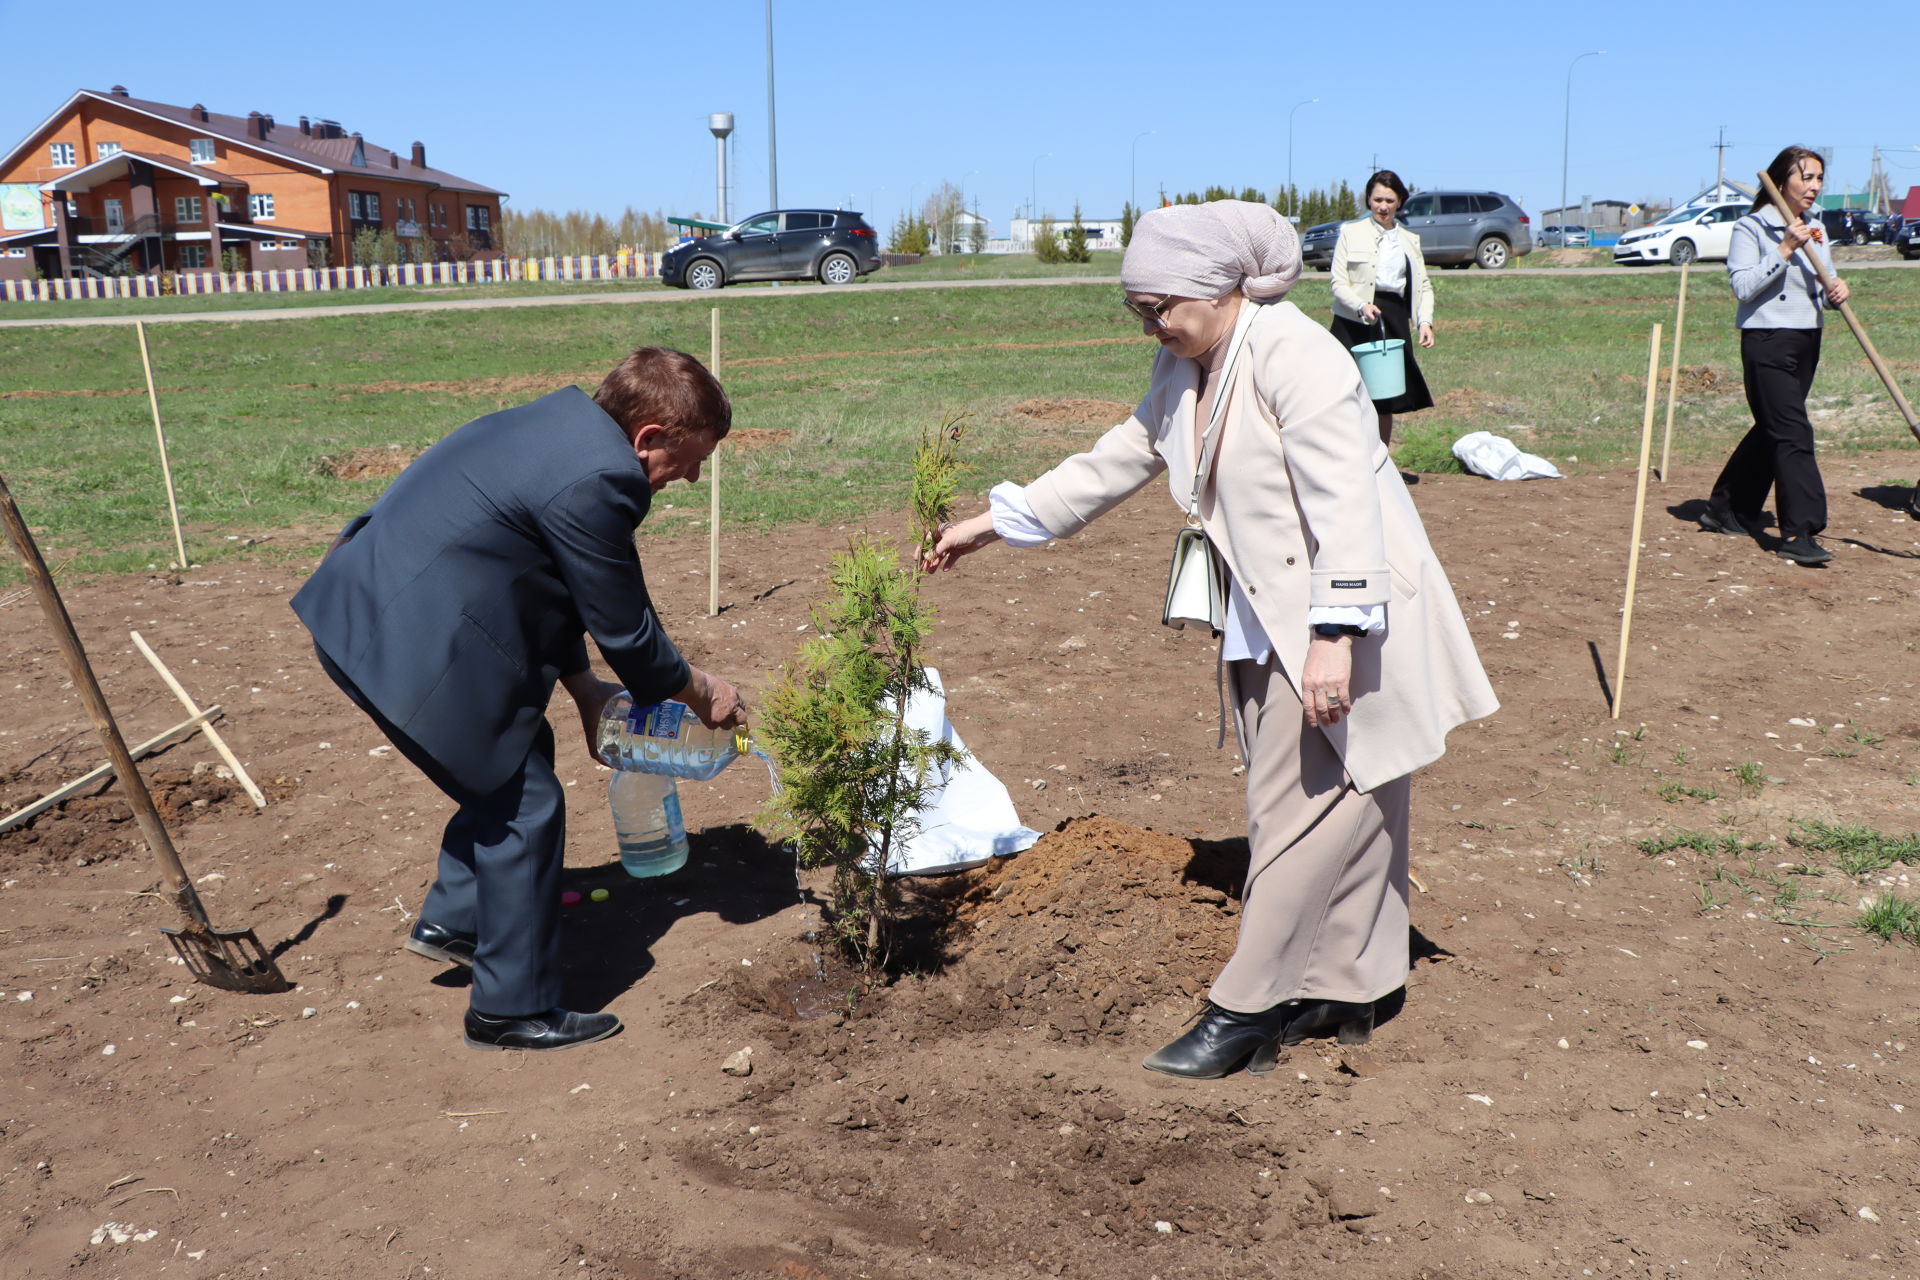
(1777, 452)
(499, 874)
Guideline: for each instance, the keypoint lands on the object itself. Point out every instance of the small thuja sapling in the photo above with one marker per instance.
(853, 776)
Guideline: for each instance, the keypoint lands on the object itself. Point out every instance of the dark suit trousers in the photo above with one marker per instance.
(499, 876)
(1777, 452)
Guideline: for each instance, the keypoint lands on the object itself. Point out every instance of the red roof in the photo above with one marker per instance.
(1910, 207)
(288, 142)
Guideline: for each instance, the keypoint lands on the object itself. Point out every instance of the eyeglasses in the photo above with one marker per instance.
(1153, 313)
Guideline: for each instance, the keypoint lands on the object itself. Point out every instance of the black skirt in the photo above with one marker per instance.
(1396, 316)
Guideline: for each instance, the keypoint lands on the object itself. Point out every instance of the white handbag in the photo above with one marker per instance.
(1197, 579)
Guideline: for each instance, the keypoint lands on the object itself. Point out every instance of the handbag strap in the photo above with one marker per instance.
(1211, 438)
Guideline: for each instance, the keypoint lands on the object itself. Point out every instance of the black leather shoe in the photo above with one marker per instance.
(1221, 1040)
(1719, 520)
(1803, 550)
(436, 942)
(554, 1029)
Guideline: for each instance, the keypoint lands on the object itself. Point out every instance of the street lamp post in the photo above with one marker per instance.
(1033, 183)
(773, 149)
(1566, 135)
(1291, 211)
(1133, 185)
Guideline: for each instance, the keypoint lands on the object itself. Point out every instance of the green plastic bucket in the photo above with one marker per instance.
(1383, 367)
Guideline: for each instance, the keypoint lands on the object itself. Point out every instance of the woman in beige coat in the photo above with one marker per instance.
(1348, 657)
(1381, 290)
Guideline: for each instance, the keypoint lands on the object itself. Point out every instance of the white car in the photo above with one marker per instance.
(1685, 235)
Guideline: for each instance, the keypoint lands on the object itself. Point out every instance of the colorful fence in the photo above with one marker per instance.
(605, 266)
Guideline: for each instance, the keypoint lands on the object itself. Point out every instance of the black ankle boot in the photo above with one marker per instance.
(1221, 1040)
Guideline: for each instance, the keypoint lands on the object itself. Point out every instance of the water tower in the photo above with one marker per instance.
(720, 124)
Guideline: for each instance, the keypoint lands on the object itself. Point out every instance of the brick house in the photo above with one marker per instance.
(111, 182)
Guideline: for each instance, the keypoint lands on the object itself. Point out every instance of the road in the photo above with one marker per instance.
(682, 296)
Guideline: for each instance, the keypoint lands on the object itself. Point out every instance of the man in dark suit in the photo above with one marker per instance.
(451, 607)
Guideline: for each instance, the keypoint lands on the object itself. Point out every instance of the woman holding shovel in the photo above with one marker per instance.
(1780, 314)
(1345, 652)
(1381, 290)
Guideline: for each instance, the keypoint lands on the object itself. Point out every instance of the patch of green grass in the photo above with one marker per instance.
(1425, 447)
(1705, 842)
(852, 377)
(1674, 793)
(1890, 917)
(1856, 850)
(1750, 776)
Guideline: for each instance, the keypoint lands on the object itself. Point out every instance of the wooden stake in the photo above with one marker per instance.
(166, 470)
(713, 491)
(213, 734)
(1673, 373)
(1639, 513)
(185, 729)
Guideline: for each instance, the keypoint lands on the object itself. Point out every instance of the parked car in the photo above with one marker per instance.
(1688, 234)
(1907, 239)
(1316, 244)
(833, 246)
(1571, 236)
(1845, 226)
(1460, 228)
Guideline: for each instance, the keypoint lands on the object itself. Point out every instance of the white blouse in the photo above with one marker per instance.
(1390, 262)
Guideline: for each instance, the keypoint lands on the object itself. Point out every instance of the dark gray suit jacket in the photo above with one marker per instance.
(458, 599)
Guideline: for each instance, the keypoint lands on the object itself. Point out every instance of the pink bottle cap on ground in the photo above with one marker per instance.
(571, 898)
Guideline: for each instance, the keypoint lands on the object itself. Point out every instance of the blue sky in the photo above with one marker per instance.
(595, 105)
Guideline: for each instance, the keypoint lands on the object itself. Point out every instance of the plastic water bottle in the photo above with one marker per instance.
(665, 737)
(647, 822)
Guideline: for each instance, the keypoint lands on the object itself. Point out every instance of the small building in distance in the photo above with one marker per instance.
(110, 183)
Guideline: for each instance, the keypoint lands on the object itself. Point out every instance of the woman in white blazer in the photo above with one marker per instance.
(1380, 289)
(1348, 657)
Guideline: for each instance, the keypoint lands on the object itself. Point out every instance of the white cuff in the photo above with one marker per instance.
(1013, 519)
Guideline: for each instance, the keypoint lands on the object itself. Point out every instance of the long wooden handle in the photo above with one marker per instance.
(166, 468)
(138, 797)
(1827, 279)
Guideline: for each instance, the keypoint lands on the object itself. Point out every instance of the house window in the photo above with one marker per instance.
(62, 153)
(201, 149)
(364, 206)
(479, 218)
(16, 253)
(193, 255)
(105, 150)
(186, 209)
(261, 206)
(359, 153)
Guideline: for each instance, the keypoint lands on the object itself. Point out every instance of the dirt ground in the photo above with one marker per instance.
(1608, 1063)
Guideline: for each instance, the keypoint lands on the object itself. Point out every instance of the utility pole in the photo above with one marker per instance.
(1720, 163)
(1879, 195)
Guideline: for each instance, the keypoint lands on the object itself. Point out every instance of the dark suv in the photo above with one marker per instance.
(832, 246)
(1459, 228)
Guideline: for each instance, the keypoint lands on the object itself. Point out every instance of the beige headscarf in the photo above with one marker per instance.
(1209, 250)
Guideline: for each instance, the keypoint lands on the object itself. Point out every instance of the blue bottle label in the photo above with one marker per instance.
(661, 720)
(676, 825)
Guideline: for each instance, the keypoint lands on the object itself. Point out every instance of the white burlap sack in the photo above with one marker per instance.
(1487, 454)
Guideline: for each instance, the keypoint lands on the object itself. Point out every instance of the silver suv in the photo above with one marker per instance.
(1459, 228)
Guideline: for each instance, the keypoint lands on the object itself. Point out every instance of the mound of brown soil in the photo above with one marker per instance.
(1074, 412)
(1076, 935)
(369, 463)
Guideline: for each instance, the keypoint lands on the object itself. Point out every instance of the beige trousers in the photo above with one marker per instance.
(1324, 914)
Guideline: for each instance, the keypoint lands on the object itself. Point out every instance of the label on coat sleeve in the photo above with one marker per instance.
(1348, 584)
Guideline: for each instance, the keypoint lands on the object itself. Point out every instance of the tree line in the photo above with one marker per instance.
(541, 233)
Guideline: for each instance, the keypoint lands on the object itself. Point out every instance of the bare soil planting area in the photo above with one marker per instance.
(1640, 1038)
